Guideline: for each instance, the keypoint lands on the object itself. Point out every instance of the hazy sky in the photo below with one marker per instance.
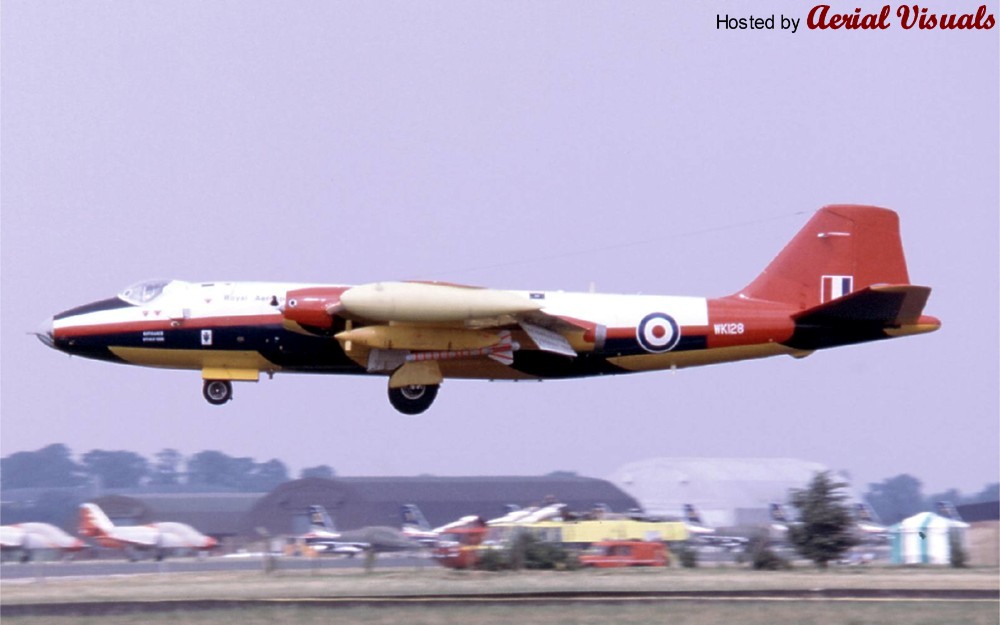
(536, 145)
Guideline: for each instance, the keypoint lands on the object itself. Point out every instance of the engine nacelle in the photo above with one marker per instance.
(313, 306)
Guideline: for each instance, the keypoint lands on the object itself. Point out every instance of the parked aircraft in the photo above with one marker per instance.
(841, 280)
(25, 539)
(705, 535)
(416, 527)
(156, 538)
(324, 538)
(870, 530)
(948, 510)
(867, 528)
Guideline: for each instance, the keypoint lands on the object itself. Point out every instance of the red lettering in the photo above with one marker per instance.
(817, 17)
(915, 16)
(820, 17)
(903, 13)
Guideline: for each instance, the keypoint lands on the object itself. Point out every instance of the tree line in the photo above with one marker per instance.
(54, 467)
(899, 497)
(893, 499)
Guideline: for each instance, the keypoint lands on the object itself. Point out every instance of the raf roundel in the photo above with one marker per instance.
(658, 332)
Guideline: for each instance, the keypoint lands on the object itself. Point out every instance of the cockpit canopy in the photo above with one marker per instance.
(144, 292)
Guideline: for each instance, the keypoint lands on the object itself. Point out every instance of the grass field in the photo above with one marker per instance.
(288, 585)
(433, 580)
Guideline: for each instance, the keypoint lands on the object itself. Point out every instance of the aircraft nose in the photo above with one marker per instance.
(45, 332)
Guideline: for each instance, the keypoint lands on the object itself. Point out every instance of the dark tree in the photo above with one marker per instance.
(213, 468)
(166, 470)
(267, 475)
(115, 469)
(824, 531)
(51, 466)
(896, 498)
(318, 471)
(990, 492)
(218, 470)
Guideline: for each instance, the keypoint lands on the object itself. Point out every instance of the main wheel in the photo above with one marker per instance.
(217, 392)
(413, 399)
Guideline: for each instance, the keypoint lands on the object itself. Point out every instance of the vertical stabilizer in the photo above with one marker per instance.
(691, 515)
(320, 520)
(414, 517)
(842, 249)
(93, 521)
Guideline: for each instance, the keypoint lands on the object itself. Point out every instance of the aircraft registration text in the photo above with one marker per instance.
(729, 328)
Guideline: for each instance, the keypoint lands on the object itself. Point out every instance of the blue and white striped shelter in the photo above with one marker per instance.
(924, 539)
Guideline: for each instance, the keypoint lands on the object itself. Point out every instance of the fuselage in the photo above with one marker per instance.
(32, 536)
(241, 326)
(841, 280)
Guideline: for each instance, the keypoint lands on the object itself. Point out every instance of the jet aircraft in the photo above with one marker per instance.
(156, 538)
(324, 538)
(416, 527)
(841, 280)
(705, 535)
(25, 539)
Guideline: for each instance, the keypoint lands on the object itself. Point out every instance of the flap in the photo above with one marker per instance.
(548, 340)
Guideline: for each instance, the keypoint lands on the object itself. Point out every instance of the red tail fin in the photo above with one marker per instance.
(842, 249)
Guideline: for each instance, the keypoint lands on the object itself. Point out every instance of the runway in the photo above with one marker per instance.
(106, 568)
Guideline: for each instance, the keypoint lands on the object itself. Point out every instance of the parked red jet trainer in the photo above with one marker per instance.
(841, 280)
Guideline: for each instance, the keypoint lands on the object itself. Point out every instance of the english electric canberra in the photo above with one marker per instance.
(841, 280)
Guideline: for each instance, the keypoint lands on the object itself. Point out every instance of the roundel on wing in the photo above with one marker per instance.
(658, 332)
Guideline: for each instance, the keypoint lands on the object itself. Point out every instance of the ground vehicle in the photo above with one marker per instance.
(459, 548)
(619, 553)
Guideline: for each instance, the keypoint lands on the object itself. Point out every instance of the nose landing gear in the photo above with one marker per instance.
(217, 392)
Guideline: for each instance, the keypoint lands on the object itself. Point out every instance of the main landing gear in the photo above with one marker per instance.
(217, 392)
(413, 399)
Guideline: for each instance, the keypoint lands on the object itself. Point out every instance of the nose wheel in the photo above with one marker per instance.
(413, 399)
(217, 392)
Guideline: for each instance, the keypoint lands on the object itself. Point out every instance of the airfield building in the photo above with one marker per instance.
(727, 492)
(361, 501)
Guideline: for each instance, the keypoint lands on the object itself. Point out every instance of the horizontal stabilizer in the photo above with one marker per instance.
(886, 305)
(869, 314)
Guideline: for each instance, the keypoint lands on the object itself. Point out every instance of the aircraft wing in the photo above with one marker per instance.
(339, 548)
(433, 317)
(138, 536)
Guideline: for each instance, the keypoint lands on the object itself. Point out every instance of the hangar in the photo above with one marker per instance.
(728, 492)
(238, 518)
(362, 501)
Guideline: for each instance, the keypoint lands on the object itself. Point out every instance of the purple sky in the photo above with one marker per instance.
(536, 145)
